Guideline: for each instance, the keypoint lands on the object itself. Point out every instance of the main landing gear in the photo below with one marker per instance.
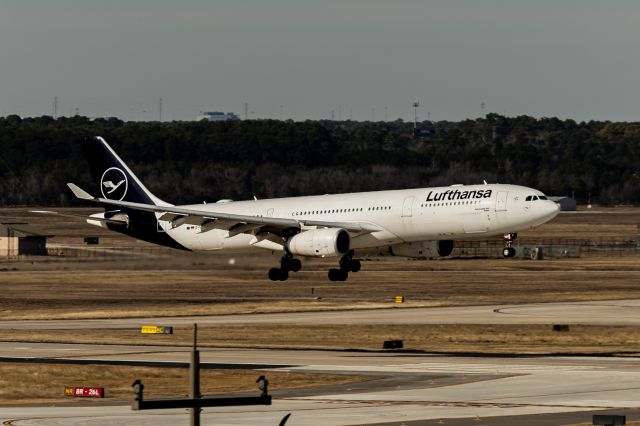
(509, 251)
(347, 264)
(287, 264)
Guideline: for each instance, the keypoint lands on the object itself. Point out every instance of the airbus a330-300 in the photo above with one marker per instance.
(422, 222)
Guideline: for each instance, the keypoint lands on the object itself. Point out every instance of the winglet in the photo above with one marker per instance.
(79, 192)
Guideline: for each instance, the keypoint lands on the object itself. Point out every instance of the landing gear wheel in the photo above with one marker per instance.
(509, 252)
(295, 265)
(349, 264)
(337, 274)
(284, 275)
(355, 265)
(274, 274)
(277, 274)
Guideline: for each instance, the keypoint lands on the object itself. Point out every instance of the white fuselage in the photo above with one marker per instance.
(443, 213)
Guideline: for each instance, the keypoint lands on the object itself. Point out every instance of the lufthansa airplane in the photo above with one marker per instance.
(411, 222)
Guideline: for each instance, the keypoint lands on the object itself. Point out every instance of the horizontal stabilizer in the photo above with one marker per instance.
(120, 221)
(79, 192)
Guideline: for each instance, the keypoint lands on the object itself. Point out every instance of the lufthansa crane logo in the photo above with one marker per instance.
(114, 184)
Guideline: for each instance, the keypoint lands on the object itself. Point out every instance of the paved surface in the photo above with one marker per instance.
(453, 387)
(615, 312)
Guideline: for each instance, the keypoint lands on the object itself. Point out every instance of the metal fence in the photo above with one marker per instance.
(550, 248)
(547, 248)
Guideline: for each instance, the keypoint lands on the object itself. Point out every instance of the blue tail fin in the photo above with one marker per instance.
(113, 179)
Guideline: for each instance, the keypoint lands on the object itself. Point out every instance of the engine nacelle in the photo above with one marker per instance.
(320, 242)
(423, 249)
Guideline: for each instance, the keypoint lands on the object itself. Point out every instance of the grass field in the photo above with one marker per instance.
(45, 383)
(101, 289)
(464, 338)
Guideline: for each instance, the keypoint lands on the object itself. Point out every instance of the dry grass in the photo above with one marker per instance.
(99, 292)
(524, 339)
(40, 383)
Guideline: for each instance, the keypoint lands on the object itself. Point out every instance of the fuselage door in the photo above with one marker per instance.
(407, 207)
(501, 201)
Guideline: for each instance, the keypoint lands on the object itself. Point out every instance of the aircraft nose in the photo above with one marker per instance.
(552, 209)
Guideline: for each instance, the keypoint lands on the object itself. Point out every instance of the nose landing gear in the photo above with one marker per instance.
(509, 251)
(347, 264)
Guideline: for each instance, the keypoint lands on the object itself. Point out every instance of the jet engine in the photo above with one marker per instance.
(320, 242)
(423, 249)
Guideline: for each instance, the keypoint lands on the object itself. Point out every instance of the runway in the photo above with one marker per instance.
(452, 387)
(613, 312)
(408, 386)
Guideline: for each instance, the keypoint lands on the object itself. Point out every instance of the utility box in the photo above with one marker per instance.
(91, 240)
(392, 344)
(608, 420)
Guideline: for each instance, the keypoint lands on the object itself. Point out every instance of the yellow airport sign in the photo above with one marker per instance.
(399, 299)
(154, 329)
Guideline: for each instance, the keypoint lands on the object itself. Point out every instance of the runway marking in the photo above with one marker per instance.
(452, 368)
(482, 368)
(477, 404)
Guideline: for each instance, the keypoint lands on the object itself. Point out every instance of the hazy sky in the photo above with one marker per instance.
(575, 59)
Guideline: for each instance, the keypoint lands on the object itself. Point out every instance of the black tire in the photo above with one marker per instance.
(343, 275)
(512, 252)
(284, 275)
(274, 274)
(334, 274)
(355, 265)
(295, 265)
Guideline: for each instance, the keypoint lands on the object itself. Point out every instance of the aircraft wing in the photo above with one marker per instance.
(235, 223)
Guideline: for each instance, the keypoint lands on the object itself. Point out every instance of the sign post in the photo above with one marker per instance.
(195, 402)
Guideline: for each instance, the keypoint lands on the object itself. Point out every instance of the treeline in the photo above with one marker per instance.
(185, 162)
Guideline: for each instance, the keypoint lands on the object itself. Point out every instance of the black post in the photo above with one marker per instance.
(195, 402)
(138, 388)
(194, 379)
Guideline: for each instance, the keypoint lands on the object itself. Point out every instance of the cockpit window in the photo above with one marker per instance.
(543, 197)
(528, 198)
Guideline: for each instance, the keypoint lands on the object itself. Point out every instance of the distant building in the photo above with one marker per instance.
(20, 239)
(217, 116)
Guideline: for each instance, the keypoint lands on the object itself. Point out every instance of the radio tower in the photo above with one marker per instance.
(160, 110)
(415, 115)
(55, 107)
